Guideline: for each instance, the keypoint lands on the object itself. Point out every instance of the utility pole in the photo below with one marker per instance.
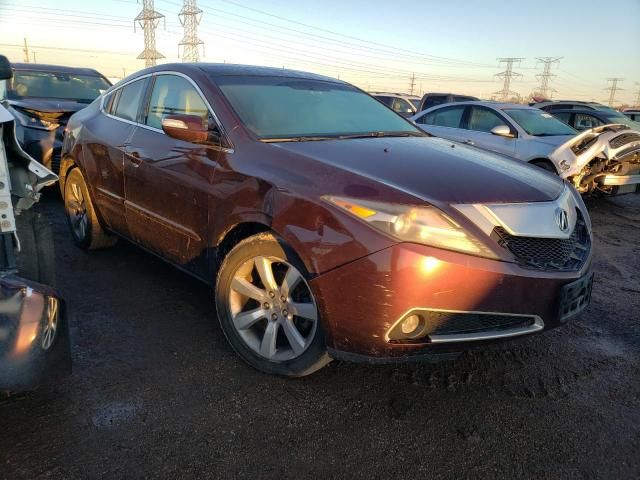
(545, 90)
(412, 84)
(148, 19)
(26, 51)
(638, 96)
(613, 89)
(190, 17)
(34, 57)
(507, 75)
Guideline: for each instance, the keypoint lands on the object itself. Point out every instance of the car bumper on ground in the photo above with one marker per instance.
(458, 301)
(34, 335)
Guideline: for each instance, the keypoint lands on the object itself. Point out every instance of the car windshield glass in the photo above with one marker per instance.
(415, 102)
(538, 123)
(67, 86)
(275, 108)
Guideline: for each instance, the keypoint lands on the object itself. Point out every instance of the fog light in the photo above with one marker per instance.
(410, 324)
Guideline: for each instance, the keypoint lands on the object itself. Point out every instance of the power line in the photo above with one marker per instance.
(190, 17)
(545, 89)
(148, 19)
(507, 75)
(613, 89)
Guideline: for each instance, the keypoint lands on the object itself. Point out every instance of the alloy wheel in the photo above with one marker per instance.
(272, 308)
(77, 210)
(51, 326)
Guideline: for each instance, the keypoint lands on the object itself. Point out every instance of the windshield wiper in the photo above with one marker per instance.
(296, 139)
(382, 134)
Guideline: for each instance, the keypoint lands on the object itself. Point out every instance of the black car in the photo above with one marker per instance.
(585, 115)
(42, 98)
(432, 99)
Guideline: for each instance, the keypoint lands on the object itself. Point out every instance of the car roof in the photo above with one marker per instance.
(228, 69)
(485, 103)
(391, 94)
(43, 67)
(453, 94)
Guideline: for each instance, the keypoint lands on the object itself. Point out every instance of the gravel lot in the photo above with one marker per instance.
(157, 392)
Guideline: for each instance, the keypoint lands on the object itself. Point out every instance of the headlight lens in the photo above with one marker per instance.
(426, 224)
(31, 119)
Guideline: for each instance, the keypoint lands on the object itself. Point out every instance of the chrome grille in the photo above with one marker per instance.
(623, 139)
(554, 254)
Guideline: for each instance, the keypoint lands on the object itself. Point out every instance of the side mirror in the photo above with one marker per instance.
(502, 131)
(189, 128)
(5, 68)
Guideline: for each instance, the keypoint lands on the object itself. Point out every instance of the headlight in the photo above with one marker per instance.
(31, 119)
(426, 224)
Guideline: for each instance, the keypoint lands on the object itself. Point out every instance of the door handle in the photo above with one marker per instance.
(468, 141)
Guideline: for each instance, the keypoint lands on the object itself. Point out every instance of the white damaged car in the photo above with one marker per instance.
(603, 158)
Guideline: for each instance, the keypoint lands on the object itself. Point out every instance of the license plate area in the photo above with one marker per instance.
(575, 297)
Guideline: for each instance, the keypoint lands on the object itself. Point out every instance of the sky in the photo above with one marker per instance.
(450, 45)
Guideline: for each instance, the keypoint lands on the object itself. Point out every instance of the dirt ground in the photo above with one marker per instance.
(156, 391)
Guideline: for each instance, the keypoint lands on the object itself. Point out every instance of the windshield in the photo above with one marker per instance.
(416, 103)
(66, 86)
(538, 123)
(281, 108)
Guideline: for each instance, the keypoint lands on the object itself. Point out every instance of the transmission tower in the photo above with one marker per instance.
(507, 75)
(638, 95)
(25, 49)
(148, 19)
(412, 83)
(190, 17)
(545, 89)
(613, 89)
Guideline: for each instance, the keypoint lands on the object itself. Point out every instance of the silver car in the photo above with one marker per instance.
(518, 131)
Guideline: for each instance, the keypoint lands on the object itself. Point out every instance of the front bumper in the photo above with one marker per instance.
(43, 145)
(34, 335)
(360, 302)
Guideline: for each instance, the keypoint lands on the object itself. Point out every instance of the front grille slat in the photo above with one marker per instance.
(623, 139)
(551, 254)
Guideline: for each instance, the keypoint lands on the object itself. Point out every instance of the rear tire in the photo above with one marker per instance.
(85, 227)
(267, 310)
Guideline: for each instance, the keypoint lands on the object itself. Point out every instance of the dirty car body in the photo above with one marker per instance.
(42, 98)
(34, 334)
(404, 257)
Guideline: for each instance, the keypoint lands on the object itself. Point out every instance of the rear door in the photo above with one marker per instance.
(113, 131)
(479, 123)
(444, 122)
(167, 181)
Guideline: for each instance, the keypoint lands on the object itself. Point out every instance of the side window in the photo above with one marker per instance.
(426, 119)
(563, 117)
(448, 117)
(174, 95)
(483, 120)
(385, 100)
(434, 100)
(129, 100)
(584, 121)
(401, 106)
(110, 101)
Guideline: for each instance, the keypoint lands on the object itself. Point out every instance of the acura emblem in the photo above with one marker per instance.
(562, 219)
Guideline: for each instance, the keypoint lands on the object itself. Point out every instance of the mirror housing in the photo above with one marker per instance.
(5, 68)
(502, 131)
(188, 128)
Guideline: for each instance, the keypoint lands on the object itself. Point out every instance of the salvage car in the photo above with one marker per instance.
(433, 99)
(603, 159)
(328, 225)
(42, 98)
(405, 105)
(34, 333)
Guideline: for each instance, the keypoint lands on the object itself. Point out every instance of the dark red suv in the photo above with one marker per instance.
(328, 225)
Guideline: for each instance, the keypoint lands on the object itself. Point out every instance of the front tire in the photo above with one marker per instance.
(85, 227)
(267, 310)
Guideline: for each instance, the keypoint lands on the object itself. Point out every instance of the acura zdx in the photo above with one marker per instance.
(328, 225)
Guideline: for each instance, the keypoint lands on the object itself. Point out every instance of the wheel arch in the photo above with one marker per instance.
(543, 161)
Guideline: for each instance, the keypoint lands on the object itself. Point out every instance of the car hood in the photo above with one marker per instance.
(48, 105)
(434, 169)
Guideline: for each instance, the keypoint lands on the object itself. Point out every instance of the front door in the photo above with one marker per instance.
(479, 124)
(168, 181)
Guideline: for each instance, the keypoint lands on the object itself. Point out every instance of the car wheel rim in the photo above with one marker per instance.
(51, 325)
(272, 308)
(77, 210)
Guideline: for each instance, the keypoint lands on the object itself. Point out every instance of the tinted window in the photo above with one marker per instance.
(583, 121)
(483, 119)
(445, 117)
(563, 116)
(174, 95)
(282, 108)
(110, 101)
(461, 98)
(433, 100)
(385, 100)
(130, 100)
